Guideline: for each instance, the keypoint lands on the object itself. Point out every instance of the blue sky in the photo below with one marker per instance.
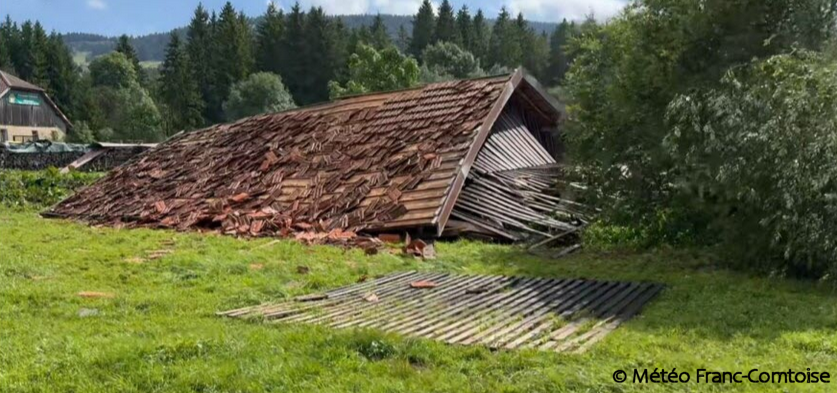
(134, 17)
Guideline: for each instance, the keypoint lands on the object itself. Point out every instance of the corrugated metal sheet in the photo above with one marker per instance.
(496, 311)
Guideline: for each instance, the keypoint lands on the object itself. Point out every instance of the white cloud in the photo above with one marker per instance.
(97, 4)
(397, 7)
(337, 7)
(554, 11)
(355, 7)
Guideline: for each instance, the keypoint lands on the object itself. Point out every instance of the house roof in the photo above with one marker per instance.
(14, 82)
(10, 82)
(377, 161)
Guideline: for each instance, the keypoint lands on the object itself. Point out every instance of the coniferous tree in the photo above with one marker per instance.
(269, 35)
(62, 74)
(182, 103)
(294, 45)
(39, 45)
(123, 46)
(8, 43)
(379, 36)
(423, 25)
(445, 24)
(464, 28)
(403, 40)
(479, 38)
(504, 49)
(22, 56)
(318, 58)
(533, 48)
(558, 60)
(339, 54)
(233, 59)
(199, 50)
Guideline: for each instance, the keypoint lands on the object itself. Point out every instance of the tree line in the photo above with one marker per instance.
(226, 67)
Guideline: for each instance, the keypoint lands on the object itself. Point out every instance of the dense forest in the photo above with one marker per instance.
(152, 47)
(224, 65)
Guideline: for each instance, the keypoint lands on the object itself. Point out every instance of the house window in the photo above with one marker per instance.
(22, 138)
(4, 135)
(35, 135)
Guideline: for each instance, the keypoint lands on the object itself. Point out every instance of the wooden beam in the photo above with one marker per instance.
(473, 151)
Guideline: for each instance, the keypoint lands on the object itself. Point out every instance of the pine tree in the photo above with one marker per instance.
(558, 59)
(62, 74)
(318, 57)
(403, 41)
(8, 43)
(504, 48)
(380, 37)
(445, 24)
(423, 24)
(479, 38)
(339, 54)
(39, 45)
(123, 46)
(534, 48)
(22, 55)
(294, 46)
(269, 35)
(233, 59)
(464, 28)
(198, 49)
(179, 92)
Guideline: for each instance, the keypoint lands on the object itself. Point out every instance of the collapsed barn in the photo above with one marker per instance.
(475, 156)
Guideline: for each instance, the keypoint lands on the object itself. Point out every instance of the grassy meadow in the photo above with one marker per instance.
(158, 331)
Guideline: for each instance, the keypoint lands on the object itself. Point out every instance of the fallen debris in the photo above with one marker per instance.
(423, 284)
(562, 315)
(88, 312)
(311, 298)
(420, 249)
(302, 269)
(157, 254)
(389, 237)
(442, 156)
(96, 295)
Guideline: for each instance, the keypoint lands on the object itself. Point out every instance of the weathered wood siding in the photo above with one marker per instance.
(42, 115)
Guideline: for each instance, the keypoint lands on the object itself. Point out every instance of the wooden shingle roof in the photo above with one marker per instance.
(379, 161)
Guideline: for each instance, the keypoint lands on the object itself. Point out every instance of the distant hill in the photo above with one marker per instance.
(151, 47)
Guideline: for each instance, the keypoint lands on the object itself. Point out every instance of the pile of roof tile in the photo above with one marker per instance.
(319, 174)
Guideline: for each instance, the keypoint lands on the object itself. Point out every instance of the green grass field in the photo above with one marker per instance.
(159, 332)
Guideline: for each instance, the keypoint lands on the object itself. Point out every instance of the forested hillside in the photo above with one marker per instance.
(224, 65)
(152, 47)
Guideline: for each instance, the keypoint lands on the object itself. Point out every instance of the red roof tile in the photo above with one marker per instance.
(379, 160)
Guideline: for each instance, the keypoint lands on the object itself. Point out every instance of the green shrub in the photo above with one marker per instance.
(40, 189)
(758, 155)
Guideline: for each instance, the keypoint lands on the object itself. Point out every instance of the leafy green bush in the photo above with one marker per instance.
(40, 189)
(626, 73)
(758, 154)
(738, 159)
